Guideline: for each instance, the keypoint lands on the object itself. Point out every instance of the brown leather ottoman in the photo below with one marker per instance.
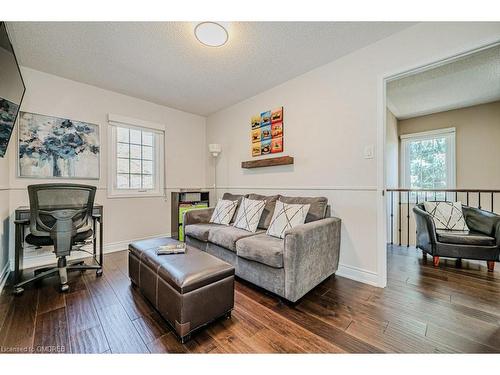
(189, 290)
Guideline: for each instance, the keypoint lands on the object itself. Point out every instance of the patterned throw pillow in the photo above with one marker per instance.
(249, 214)
(287, 216)
(447, 215)
(223, 212)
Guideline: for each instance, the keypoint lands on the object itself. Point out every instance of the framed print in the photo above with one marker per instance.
(276, 145)
(256, 151)
(256, 135)
(54, 147)
(265, 147)
(265, 132)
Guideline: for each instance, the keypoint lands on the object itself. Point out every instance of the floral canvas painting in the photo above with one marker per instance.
(53, 147)
(8, 112)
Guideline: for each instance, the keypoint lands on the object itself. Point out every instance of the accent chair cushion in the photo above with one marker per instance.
(262, 248)
(317, 210)
(200, 231)
(223, 212)
(249, 214)
(285, 217)
(267, 214)
(226, 236)
(464, 238)
(447, 215)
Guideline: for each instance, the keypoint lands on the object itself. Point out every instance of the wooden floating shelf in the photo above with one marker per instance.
(271, 162)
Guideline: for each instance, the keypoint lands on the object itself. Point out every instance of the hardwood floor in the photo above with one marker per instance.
(423, 310)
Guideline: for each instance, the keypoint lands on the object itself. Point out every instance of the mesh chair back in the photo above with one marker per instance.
(45, 198)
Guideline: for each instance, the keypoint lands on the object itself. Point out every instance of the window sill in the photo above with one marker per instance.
(136, 195)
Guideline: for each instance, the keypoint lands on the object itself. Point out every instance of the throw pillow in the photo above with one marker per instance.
(249, 214)
(224, 212)
(446, 215)
(287, 216)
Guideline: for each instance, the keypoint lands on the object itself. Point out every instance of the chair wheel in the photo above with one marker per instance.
(98, 273)
(18, 291)
(64, 287)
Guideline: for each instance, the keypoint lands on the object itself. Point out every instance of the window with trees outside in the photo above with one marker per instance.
(428, 161)
(136, 159)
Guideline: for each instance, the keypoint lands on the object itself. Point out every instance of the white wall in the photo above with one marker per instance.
(125, 219)
(331, 114)
(477, 139)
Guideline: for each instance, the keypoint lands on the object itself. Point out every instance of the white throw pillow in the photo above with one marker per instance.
(223, 212)
(447, 215)
(287, 216)
(249, 214)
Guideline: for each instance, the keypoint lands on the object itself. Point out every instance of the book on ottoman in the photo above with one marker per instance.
(175, 248)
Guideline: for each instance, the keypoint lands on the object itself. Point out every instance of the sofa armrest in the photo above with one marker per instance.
(197, 216)
(311, 254)
(426, 229)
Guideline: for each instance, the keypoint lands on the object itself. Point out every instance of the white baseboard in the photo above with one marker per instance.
(359, 274)
(4, 275)
(107, 248)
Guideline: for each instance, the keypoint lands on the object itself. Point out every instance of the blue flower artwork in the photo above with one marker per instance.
(53, 147)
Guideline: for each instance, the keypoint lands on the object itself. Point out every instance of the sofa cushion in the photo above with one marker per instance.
(317, 210)
(200, 231)
(464, 238)
(263, 249)
(234, 197)
(249, 214)
(285, 217)
(223, 212)
(267, 214)
(226, 236)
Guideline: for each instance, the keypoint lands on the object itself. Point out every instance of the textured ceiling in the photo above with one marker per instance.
(467, 81)
(165, 64)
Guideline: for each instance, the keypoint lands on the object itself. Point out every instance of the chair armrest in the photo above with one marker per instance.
(426, 229)
(311, 254)
(197, 216)
(497, 234)
(98, 217)
(22, 222)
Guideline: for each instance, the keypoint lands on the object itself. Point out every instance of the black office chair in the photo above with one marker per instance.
(60, 216)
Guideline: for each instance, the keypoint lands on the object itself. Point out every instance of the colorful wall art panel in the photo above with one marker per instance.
(267, 132)
(265, 147)
(276, 145)
(256, 149)
(53, 147)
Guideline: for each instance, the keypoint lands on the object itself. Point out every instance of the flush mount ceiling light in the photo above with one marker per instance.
(211, 34)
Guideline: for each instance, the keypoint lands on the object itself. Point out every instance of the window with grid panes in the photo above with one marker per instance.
(137, 161)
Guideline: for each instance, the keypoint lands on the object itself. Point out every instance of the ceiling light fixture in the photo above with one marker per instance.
(211, 34)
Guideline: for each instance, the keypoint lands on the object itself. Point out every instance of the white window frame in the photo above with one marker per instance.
(450, 134)
(115, 121)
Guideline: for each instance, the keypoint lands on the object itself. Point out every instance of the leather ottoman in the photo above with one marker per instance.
(189, 290)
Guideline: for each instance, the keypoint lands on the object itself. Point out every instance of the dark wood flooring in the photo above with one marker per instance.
(423, 310)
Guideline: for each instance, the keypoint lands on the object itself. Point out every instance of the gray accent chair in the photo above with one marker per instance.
(288, 267)
(481, 242)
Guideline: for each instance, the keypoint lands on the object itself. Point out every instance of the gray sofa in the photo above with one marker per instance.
(288, 267)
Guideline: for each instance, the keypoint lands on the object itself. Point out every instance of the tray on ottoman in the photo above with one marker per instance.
(189, 290)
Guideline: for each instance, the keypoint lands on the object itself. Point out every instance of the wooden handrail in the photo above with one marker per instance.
(446, 190)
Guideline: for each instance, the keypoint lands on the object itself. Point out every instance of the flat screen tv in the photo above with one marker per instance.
(11, 89)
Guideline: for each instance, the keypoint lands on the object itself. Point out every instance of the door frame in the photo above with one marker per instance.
(381, 145)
